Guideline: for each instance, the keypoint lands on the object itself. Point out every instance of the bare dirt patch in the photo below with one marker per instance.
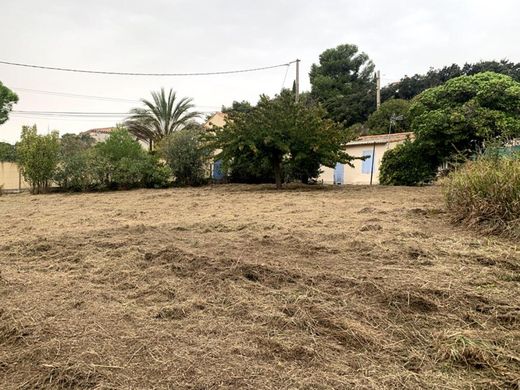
(246, 287)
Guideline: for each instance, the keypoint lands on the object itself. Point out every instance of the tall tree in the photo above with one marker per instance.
(411, 86)
(392, 117)
(7, 99)
(38, 156)
(283, 134)
(461, 114)
(452, 120)
(343, 82)
(160, 117)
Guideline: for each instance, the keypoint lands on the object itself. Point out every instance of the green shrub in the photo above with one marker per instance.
(186, 155)
(38, 156)
(407, 164)
(121, 162)
(485, 194)
(73, 172)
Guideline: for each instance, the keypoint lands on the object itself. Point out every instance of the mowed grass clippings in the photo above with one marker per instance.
(246, 287)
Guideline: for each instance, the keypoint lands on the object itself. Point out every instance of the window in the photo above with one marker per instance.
(366, 167)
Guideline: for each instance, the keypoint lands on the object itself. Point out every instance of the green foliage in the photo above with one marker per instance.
(343, 82)
(407, 164)
(38, 156)
(238, 107)
(7, 99)
(7, 152)
(162, 116)
(409, 87)
(457, 117)
(186, 155)
(73, 172)
(485, 194)
(120, 162)
(282, 135)
(392, 117)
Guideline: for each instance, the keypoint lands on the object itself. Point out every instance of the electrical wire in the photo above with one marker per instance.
(102, 98)
(285, 77)
(144, 74)
(75, 95)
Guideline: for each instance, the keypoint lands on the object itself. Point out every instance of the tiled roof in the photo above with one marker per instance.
(105, 130)
(382, 138)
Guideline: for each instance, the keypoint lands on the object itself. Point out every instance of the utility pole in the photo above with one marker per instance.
(297, 82)
(378, 89)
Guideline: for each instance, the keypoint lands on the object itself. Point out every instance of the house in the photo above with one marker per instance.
(373, 147)
(102, 134)
(218, 119)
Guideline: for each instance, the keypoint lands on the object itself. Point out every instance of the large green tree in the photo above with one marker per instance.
(280, 133)
(38, 156)
(411, 86)
(343, 82)
(392, 117)
(7, 99)
(461, 114)
(161, 116)
(454, 121)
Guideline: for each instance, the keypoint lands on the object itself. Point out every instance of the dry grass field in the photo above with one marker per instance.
(243, 287)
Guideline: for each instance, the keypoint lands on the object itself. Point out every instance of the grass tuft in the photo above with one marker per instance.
(485, 194)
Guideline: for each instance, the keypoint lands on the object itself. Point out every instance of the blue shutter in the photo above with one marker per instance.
(367, 164)
(339, 173)
(217, 170)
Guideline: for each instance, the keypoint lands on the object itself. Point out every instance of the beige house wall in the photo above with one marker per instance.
(355, 175)
(10, 177)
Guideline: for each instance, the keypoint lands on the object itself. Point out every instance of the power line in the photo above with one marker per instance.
(74, 114)
(102, 98)
(70, 113)
(75, 95)
(145, 74)
(285, 77)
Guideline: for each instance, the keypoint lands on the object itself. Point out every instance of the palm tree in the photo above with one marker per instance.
(160, 117)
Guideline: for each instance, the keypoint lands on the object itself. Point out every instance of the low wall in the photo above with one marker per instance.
(10, 177)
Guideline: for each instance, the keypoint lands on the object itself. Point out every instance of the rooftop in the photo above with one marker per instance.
(382, 138)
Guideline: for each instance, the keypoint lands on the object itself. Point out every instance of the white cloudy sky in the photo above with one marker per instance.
(402, 37)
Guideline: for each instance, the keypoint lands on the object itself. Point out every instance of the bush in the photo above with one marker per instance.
(485, 194)
(73, 172)
(186, 155)
(407, 164)
(38, 156)
(121, 162)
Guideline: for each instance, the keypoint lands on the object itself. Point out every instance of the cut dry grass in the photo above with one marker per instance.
(246, 287)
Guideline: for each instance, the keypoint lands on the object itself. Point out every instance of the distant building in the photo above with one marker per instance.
(218, 119)
(371, 146)
(102, 134)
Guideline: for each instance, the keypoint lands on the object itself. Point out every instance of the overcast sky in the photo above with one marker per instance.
(402, 37)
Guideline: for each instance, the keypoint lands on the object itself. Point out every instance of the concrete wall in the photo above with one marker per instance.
(355, 175)
(10, 177)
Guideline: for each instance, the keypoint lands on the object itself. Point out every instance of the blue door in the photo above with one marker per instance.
(217, 173)
(366, 166)
(339, 173)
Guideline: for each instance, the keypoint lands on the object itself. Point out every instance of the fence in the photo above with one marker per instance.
(10, 177)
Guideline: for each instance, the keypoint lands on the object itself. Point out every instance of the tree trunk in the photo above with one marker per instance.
(278, 175)
(150, 145)
(305, 179)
